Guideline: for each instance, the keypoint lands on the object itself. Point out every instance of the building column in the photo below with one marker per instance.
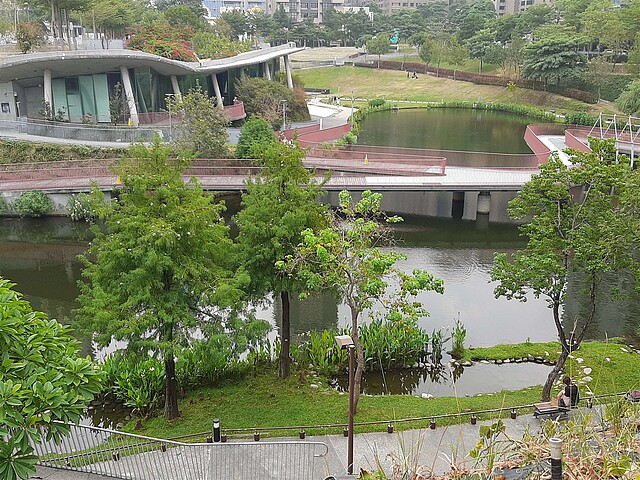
(131, 101)
(267, 71)
(176, 87)
(287, 67)
(47, 88)
(216, 88)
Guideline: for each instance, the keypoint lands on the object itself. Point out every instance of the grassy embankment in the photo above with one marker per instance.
(262, 400)
(394, 85)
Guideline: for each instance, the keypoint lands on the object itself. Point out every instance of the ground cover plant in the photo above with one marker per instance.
(611, 367)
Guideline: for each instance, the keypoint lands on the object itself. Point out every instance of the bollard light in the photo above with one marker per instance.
(514, 414)
(302, 434)
(223, 438)
(432, 424)
(474, 419)
(216, 430)
(389, 428)
(555, 446)
(256, 436)
(209, 439)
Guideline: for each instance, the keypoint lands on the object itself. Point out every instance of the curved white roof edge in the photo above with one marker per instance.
(68, 63)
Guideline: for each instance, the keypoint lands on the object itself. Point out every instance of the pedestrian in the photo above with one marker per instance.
(407, 73)
(415, 75)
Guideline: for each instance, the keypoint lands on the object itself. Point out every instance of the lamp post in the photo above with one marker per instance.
(346, 342)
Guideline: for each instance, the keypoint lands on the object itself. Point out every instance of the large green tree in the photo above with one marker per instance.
(554, 56)
(378, 45)
(280, 203)
(571, 213)
(42, 380)
(162, 268)
(347, 259)
(629, 100)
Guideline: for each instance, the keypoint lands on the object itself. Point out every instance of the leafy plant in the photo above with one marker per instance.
(163, 40)
(84, 207)
(458, 336)
(33, 204)
(255, 133)
(42, 379)
(29, 35)
(437, 345)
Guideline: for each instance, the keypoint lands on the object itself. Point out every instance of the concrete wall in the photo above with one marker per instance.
(7, 102)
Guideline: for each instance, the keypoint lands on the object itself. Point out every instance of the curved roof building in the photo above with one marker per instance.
(86, 85)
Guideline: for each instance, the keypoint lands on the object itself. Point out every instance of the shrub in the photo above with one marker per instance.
(29, 35)
(33, 204)
(163, 40)
(3, 204)
(376, 102)
(266, 98)
(85, 207)
(255, 132)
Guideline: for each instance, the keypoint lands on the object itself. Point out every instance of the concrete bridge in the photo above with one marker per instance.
(431, 182)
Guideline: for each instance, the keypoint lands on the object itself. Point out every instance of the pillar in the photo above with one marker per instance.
(47, 88)
(287, 67)
(176, 87)
(128, 90)
(267, 71)
(483, 210)
(216, 89)
(484, 202)
(457, 205)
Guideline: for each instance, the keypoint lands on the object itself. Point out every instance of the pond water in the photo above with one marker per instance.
(41, 257)
(446, 128)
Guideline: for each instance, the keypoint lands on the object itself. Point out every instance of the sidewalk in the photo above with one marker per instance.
(436, 449)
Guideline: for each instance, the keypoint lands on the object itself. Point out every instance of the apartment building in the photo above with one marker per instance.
(509, 7)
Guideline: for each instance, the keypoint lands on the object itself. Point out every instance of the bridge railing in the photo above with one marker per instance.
(135, 457)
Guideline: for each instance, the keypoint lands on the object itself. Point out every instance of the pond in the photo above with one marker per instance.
(41, 257)
(447, 129)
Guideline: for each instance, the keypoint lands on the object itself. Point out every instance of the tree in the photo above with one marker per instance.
(553, 57)
(457, 55)
(238, 22)
(427, 49)
(255, 134)
(629, 100)
(29, 36)
(378, 45)
(212, 45)
(181, 16)
(280, 203)
(571, 213)
(163, 268)
(267, 99)
(481, 44)
(346, 259)
(201, 124)
(42, 380)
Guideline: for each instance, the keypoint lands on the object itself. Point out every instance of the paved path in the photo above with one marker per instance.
(434, 449)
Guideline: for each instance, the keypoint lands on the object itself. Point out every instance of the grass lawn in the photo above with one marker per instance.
(394, 85)
(263, 400)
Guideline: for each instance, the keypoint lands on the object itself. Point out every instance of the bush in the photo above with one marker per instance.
(27, 152)
(85, 207)
(256, 131)
(33, 204)
(376, 102)
(3, 204)
(265, 98)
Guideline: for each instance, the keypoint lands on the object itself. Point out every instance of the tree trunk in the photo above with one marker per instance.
(357, 380)
(284, 368)
(171, 388)
(554, 374)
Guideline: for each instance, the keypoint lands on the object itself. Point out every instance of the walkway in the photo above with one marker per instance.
(436, 449)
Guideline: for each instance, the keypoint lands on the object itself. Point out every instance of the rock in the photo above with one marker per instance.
(484, 361)
(313, 385)
(499, 362)
(508, 360)
(426, 395)
(467, 364)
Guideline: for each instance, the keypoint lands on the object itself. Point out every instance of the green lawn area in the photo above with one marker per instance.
(262, 400)
(394, 85)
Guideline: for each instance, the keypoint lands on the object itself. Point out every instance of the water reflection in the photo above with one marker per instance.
(444, 380)
(449, 129)
(41, 257)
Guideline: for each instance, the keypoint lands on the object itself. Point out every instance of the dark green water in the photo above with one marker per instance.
(449, 129)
